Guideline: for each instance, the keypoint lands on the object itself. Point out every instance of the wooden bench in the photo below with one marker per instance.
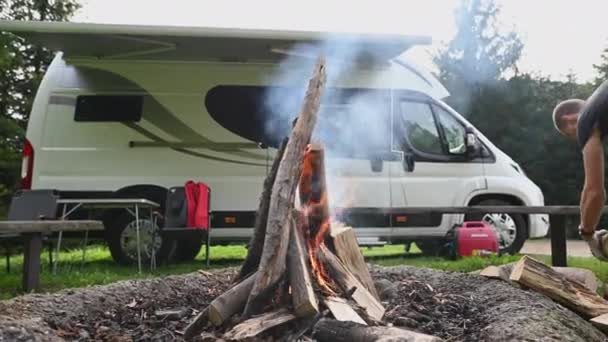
(31, 232)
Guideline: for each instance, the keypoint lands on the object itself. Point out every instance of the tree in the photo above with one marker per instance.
(602, 68)
(21, 68)
(479, 54)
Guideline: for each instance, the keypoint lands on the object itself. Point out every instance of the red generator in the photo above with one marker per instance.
(475, 238)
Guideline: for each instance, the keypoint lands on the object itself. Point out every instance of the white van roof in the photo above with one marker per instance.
(174, 43)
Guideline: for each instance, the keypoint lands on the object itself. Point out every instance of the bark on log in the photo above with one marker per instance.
(572, 294)
(259, 324)
(273, 260)
(349, 284)
(347, 249)
(256, 244)
(302, 293)
(583, 276)
(230, 302)
(197, 325)
(342, 311)
(336, 331)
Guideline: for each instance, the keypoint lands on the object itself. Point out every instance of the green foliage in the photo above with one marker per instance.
(480, 53)
(21, 69)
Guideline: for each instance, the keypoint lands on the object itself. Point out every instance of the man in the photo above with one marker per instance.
(587, 122)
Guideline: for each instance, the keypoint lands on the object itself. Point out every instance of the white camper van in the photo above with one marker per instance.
(134, 110)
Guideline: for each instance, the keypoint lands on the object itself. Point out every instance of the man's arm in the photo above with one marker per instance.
(593, 195)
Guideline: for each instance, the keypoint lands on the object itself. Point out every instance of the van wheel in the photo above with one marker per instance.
(511, 229)
(187, 250)
(122, 240)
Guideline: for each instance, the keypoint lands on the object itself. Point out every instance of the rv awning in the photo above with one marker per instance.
(171, 43)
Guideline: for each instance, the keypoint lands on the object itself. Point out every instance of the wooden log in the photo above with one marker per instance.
(347, 249)
(583, 276)
(350, 284)
(197, 325)
(256, 244)
(273, 260)
(230, 302)
(302, 293)
(257, 325)
(572, 294)
(601, 322)
(342, 311)
(336, 331)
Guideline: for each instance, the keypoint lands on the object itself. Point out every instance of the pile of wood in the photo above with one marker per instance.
(573, 288)
(303, 276)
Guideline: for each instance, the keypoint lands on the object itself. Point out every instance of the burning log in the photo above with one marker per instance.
(256, 244)
(349, 284)
(230, 302)
(336, 331)
(347, 249)
(272, 262)
(303, 295)
(259, 324)
(342, 311)
(572, 294)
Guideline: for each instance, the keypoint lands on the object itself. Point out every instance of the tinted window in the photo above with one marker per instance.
(417, 121)
(108, 108)
(351, 122)
(453, 131)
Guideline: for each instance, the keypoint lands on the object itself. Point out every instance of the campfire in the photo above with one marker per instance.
(304, 274)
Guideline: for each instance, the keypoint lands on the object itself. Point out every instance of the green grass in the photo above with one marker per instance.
(99, 268)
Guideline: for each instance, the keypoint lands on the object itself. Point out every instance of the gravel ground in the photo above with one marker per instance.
(454, 306)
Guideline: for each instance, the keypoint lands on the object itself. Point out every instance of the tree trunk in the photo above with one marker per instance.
(572, 294)
(256, 244)
(273, 260)
(329, 330)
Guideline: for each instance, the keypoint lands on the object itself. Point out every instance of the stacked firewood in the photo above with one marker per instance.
(573, 288)
(304, 275)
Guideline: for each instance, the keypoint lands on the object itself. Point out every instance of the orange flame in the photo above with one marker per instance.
(315, 215)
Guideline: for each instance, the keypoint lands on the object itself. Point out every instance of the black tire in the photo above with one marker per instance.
(429, 247)
(187, 250)
(521, 227)
(117, 220)
(122, 256)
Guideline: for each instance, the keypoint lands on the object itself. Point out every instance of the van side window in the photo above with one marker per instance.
(416, 121)
(453, 131)
(108, 108)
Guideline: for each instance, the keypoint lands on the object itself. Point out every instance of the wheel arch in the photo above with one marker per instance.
(512, 199)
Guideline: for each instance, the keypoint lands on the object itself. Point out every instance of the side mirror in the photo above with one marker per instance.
(409, 162)
(473, 146)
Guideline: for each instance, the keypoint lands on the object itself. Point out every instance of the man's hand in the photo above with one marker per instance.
(598, 244)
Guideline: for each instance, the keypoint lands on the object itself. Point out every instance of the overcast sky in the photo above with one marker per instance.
(559, 35)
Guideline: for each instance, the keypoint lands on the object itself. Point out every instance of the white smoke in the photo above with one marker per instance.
(352, 123)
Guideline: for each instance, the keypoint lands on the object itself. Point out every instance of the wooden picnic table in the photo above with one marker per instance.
(32, 232)
(557, 220)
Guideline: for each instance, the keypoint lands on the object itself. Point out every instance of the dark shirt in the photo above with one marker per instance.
(594, 113)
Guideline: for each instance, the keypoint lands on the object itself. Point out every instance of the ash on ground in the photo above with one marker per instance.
(453, 306)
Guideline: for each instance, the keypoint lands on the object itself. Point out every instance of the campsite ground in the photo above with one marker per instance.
(99, 267)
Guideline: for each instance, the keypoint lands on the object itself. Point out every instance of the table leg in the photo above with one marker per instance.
(84, 247)
(137, 231)
(152, 247)
(59, 238)
(558, 240)
(8, 257)
(31, 261)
